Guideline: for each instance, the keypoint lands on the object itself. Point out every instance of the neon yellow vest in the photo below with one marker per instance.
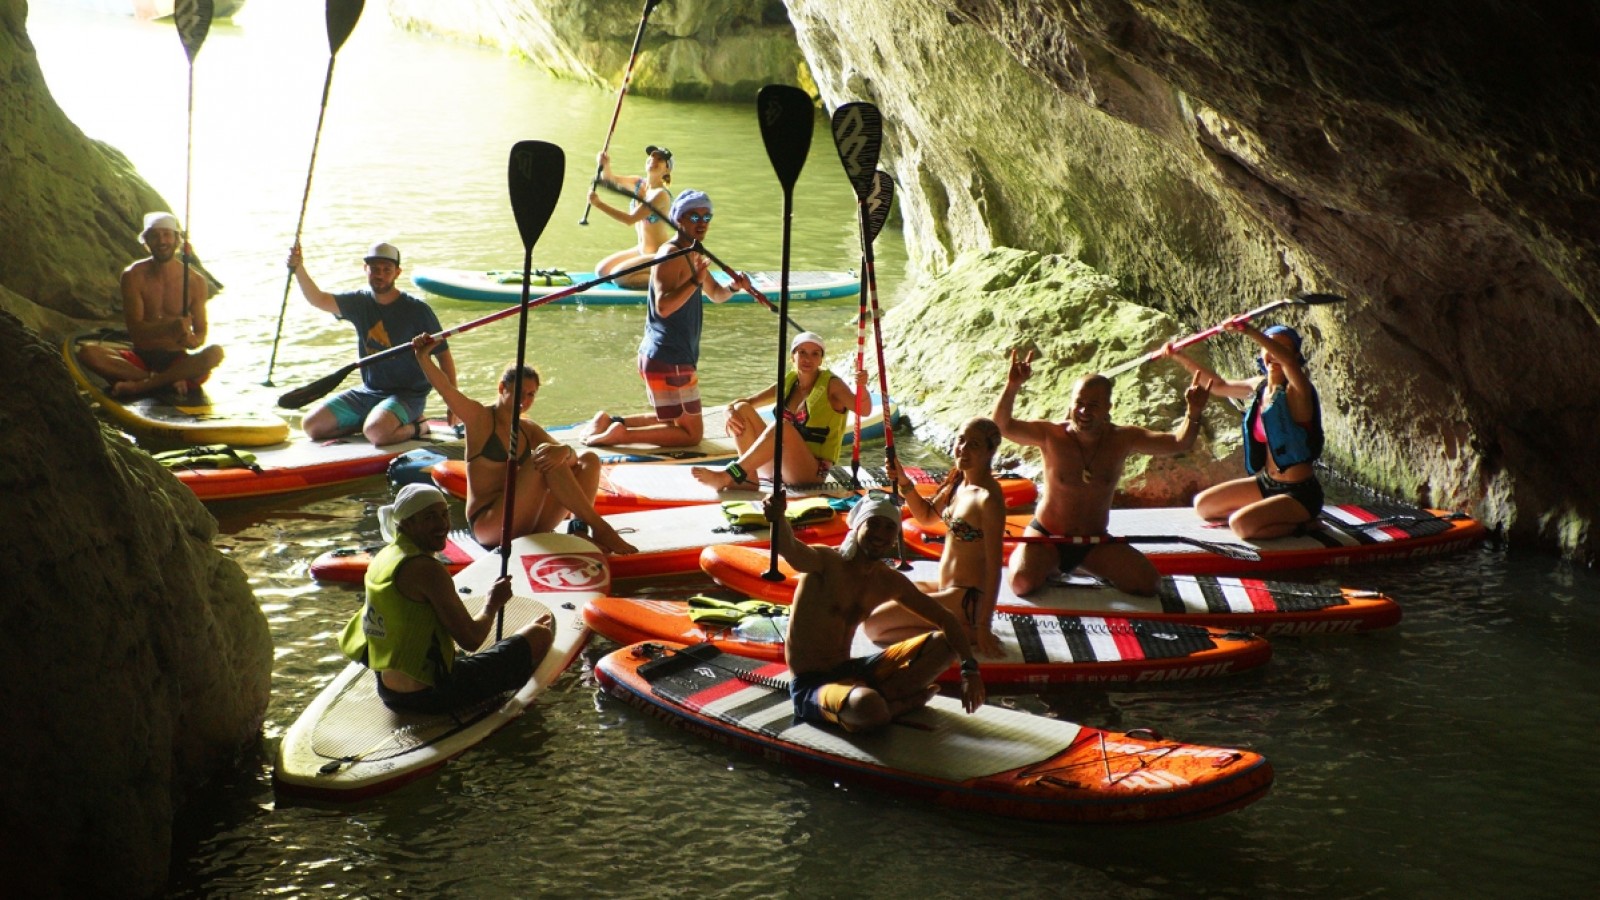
(823, 429)
(392, 632)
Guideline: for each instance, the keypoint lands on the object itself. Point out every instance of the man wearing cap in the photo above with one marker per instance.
(388, 406)
(838, 589)
(412, 620)
(167, 326)
(815, 413)
(1083, 461)
(670, 350)
(1282, 437)
(650, 193)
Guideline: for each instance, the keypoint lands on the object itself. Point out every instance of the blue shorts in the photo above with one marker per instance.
(819, 697)
(350, 408)
(503, 668)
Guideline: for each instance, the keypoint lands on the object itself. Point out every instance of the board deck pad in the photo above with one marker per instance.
(505, 286)
(629, 487)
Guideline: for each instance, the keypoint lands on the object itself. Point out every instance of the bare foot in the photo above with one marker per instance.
(611, 542)
(130, 388)
(717, 479)
(613, 434)
(598, 424)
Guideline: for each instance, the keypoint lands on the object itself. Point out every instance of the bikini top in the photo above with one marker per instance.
(494, 449)
(960, 530)
(638, 198)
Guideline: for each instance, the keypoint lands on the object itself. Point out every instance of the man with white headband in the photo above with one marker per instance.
(670, 350)
(838, 589)
(412, 620)
(815, 412)
(167, 326)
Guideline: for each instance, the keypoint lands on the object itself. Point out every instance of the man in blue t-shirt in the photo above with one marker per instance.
(388, 405)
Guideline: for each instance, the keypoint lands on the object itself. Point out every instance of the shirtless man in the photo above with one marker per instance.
(165, 326)
(838, 589)
(1083, 461)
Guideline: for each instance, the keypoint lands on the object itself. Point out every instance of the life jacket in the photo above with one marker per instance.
(820, 425)
(393, 632)
(208, 456)
(1292, 443)
(545, 277)
(805, 511)
(705, 610)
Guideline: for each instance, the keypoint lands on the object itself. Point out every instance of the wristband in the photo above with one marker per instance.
(969, 666)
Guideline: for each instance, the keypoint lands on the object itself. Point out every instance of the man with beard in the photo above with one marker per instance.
(388, 406)
(1083, 460)
(838, 589)
(670, 350)
(412, 620)
(167, 326)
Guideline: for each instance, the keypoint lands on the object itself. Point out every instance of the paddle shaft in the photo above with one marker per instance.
(1180, 343)
(616, 113)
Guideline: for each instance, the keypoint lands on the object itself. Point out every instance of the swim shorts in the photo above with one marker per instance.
(819, 696)
(673, 390)
(500, 669)
(1307, 493)
(350, 408)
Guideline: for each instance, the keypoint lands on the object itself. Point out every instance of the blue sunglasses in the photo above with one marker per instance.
(699, 218)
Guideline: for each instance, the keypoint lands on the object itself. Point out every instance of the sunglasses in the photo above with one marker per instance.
(699, 218)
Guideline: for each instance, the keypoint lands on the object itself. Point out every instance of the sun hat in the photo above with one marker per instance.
(412, 499)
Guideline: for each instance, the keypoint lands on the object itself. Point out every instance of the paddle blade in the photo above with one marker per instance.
(193, 18)
(1318, 299)
(878, 201)
(534, 175)
(787, 117)
(316, 390)
(342, 18)
(858, 136)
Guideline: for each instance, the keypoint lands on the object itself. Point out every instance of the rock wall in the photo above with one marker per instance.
(692, 49)
(134, 661)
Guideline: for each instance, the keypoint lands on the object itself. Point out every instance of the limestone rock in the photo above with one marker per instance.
(136, 662)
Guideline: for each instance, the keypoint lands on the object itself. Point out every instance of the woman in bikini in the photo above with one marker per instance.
(653, 230)
(973, 508)
(553, 479)
(1282, 434)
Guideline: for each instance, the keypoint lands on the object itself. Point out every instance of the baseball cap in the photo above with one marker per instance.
(666, 154)
(159, 220)
(383, 250)
(807, 337)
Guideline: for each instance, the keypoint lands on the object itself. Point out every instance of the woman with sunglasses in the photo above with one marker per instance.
(650, 190)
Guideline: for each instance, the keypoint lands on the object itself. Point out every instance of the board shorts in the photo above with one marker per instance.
(474, 678)
(673, 390)
(350, 408)
(1068, 556)
(819, 696)
(160, 361)
(1307, 493)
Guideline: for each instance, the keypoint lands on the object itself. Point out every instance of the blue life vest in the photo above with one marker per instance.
(1292, 443)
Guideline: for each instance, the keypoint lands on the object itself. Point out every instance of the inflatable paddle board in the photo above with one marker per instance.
(630, 487)
(1039, 647)
(196, 418)
(995, 760)
(1236, 604)
(505, 287)
(1344, 534)
(349, 565)
(347, 745)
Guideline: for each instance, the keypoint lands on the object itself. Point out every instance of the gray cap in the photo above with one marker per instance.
(383, 250)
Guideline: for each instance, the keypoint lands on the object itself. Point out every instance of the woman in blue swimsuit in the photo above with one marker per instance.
(650, 190)
(560, 480)
(973, 508)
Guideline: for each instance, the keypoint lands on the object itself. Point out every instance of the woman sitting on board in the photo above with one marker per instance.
(653, 230)
(1282, 435)
(973, 509)
(816, 411)
(558, 481)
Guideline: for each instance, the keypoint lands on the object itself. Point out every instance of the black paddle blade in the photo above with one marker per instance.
(193, 18)
(534, 174)
(342, 18)
(858, 136)
(1317, 299)
(787, 117)
(316, 390)
(878, 201)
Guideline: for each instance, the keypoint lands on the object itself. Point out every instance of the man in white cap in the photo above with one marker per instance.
(670, 350)
(412, 620)
(650, 192)
(838, 589)
(388, 406)
(166, 324)
(815, 413)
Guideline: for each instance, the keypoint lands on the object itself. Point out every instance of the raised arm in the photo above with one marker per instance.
(314, 295)
(803, 557)
(1216, 384)
(1180, 439)
(1021, 431)
(441, 373)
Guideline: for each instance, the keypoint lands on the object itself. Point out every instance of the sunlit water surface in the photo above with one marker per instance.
(1444, 758)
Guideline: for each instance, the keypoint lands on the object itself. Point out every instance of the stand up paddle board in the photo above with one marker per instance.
(349, 565)
(632, 487)
(505, 287)
(196, 418)
(1343, 534)
(347, 745)
(994, 760)
(1236, 604)
(1038, 647)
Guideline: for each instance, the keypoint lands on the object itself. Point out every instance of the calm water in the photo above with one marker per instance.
(1444, 758)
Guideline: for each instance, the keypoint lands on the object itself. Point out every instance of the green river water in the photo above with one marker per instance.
(1443, 758)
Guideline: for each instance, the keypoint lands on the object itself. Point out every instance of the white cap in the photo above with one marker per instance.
(807, 337)
(159, 220)
(412, 499)
(383, 250)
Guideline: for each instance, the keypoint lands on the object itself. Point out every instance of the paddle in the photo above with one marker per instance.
(787, 116)
(878, 211)
(318, 389)
(759, 297)
(341, 20)
(627, 76)
(193, 18)
(534, 175)
(858, 136)
(1179, 344)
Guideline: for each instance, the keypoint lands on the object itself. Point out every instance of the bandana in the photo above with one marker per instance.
(871, 505)
(412, 499)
